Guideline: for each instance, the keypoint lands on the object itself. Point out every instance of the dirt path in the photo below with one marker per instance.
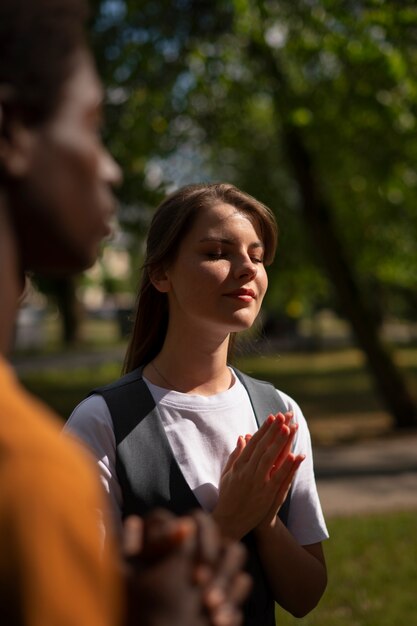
(368, 476)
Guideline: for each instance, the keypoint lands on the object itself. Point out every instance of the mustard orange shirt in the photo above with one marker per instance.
(53, 569)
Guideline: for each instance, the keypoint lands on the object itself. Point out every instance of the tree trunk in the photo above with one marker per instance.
(318, 214)
(69, 308)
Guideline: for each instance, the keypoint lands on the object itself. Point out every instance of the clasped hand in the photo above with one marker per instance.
(181, 572)
(257, 477)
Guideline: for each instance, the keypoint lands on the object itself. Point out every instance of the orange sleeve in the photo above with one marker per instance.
(63, 575)
(53, 568)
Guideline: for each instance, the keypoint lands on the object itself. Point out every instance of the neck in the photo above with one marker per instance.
(192, 364)
(9, 282)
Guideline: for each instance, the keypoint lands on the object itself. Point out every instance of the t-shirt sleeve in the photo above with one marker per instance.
(305, 518)
(91, 423)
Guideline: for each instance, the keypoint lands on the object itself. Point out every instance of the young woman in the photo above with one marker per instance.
(183, 429)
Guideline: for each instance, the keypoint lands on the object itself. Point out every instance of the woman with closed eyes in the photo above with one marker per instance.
(183, 429)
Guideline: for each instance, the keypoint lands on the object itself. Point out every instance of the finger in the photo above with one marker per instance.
(226, 615)
(259, 442)
(228, 567)
(208, 539)
(241, 443)
(234, 583)
(132, 536)
(290, 465)
(272, 452)
(227, 612)
(240, 588)
(157, 525)
(257, 437)
(286, 449)
(163, 533)
(159, 517)
(289, 416)
(232, 560)
(284, 477)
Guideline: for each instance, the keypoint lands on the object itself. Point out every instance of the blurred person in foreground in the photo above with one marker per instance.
(55, 207)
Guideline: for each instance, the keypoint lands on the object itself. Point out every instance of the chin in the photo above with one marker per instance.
(241, 324)
(55, 263)
(46, 244)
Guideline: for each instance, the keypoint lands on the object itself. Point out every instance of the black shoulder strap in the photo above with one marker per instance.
(146, 467)
(265, 400)
(264, 397)
(129, 397)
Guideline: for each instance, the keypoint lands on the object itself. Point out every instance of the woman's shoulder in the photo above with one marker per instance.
(91, 409)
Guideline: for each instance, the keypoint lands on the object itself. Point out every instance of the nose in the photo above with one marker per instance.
(246, 268)
(110, 171)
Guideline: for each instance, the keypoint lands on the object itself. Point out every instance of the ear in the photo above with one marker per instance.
(159, 279)
(16, 140)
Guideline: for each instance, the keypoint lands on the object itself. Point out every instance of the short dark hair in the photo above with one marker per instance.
(39, 40)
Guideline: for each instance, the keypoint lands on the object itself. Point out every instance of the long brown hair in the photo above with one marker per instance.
(171, 222)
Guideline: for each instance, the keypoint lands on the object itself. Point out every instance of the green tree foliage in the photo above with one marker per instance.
(188, 99)
(289, 100)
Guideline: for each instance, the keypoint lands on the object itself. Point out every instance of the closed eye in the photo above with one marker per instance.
(215, 256)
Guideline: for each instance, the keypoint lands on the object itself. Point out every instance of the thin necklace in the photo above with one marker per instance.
(170, 385)
(173, 387)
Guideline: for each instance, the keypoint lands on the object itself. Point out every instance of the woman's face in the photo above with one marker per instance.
(218, 280)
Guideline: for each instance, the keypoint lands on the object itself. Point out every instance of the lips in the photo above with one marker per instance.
(245, 295)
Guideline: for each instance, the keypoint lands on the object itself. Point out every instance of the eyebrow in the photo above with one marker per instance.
(230, 242)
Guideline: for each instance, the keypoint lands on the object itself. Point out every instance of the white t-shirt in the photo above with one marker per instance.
(202, 432)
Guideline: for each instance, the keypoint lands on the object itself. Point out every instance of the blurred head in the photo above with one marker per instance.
(55, 174)
(172, 221)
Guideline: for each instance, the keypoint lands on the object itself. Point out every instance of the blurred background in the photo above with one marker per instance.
(310, 106)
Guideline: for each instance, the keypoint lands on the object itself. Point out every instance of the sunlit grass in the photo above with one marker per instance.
(63, 389)
(372, 571)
